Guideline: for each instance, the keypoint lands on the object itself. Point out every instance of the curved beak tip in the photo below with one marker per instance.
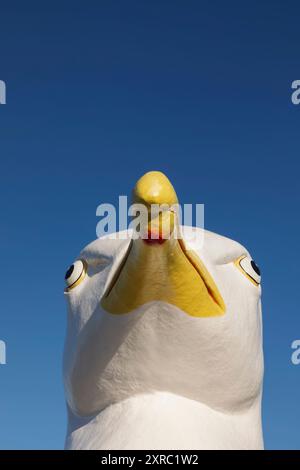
(154, 188)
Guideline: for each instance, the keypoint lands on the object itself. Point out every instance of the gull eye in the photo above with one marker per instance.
(75, 274)
(249, 268)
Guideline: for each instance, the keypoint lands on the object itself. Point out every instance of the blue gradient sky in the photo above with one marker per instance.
(97, 94)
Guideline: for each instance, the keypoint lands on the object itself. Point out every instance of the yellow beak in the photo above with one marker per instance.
(162, 269)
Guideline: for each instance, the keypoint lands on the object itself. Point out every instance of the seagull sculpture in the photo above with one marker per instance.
(164, 340)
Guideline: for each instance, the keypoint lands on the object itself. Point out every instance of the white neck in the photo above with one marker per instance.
(166, 421)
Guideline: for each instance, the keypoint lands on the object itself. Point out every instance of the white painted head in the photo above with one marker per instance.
(164, 341)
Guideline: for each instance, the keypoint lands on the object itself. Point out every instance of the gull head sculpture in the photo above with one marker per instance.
(164, 336)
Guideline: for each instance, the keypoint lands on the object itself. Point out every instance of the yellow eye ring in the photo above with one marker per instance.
(75, 274)
(248, 267)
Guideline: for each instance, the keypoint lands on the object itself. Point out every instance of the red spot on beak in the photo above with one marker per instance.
(153, 238)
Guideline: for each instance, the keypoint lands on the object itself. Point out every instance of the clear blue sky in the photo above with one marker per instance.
(99, 92)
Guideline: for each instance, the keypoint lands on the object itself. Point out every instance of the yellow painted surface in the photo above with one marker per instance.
(163, 273)
(154, 188)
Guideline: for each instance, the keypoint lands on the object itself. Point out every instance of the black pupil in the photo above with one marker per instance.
(69, 272)
(255, 267)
